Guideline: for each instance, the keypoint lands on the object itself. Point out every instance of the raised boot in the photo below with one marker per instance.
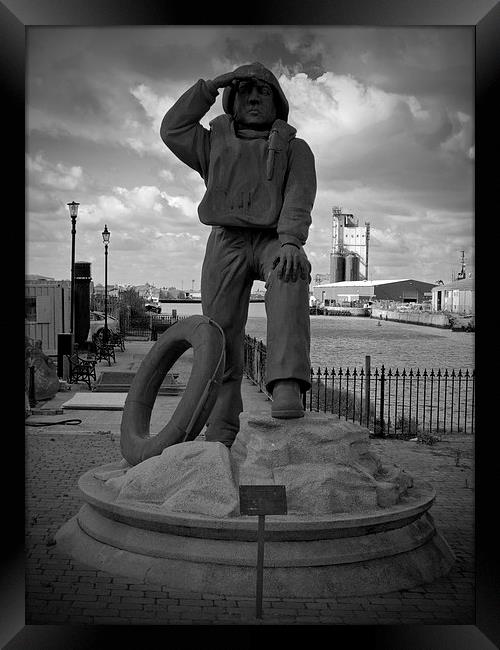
(287, 400)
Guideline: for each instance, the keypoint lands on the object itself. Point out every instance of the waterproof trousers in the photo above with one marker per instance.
(234, 258)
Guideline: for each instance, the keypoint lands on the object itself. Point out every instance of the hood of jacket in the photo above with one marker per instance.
(263, 74)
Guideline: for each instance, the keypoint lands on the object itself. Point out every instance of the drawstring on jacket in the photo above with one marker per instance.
(274, 143)
(271, 153)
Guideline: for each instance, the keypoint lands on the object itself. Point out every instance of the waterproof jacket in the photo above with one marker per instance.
(253, 181)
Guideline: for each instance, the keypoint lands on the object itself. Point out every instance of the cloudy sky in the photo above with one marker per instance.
(388, 113)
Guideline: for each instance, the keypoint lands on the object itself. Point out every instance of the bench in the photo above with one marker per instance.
(117, 339)
(81, 369)
(103, 350)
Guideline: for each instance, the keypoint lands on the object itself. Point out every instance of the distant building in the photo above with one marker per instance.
(258, 295)
(361, 291)
(322, 278)
(47, 310)
(172, 293)
(99, 290)
(457, 297)
(149, 292)
(38, 278)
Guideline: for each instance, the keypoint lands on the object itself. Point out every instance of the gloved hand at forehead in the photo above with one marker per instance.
(230, 78)
(254, 72)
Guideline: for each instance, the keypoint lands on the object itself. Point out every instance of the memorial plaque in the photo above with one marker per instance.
(263, 500)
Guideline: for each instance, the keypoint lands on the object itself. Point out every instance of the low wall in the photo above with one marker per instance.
(343, 311)
(430, 319)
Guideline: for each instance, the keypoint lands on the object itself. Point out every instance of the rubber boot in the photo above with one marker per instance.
(224, 421)
(287, 401)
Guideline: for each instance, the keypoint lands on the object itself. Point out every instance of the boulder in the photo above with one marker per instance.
(46, 379)
(320, 489)
(324, 462)
(193, 477)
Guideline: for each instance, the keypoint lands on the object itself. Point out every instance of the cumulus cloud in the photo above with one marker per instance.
(340, 111)
(338, 103)
(56, 176)
(167, 175)
(387, 113)
(184, 203)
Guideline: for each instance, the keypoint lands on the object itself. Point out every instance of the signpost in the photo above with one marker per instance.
(262, 500)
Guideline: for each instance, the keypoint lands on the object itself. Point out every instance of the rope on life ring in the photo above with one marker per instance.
(207, 339)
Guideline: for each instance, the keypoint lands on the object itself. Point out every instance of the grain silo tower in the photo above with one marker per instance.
(349, 256)
(337, 258)
(352, 266)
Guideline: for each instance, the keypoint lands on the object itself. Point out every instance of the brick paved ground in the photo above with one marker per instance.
(60, 591)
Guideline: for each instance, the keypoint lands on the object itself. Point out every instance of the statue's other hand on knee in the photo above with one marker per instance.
(292, 263)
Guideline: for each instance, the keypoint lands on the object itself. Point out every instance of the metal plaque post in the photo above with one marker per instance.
(262, 500)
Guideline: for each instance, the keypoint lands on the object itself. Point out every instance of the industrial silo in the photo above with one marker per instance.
(337, 267)
(351, 267)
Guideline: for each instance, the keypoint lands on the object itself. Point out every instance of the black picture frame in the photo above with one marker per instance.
(16, 16)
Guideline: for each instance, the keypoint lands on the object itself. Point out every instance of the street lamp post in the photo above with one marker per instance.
(105, 238)
(73, 212)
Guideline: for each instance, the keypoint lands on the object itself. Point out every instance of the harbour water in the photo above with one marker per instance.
(344, 341)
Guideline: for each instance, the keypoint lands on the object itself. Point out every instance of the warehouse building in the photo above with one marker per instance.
(362, 291)
(456, 297)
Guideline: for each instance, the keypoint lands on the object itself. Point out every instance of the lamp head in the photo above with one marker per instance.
(105, 235)
(73, 209)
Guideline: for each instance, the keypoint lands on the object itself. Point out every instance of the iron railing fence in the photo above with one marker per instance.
(149, 326)
(390, 402)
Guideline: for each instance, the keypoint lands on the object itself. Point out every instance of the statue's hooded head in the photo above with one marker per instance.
(232, 97)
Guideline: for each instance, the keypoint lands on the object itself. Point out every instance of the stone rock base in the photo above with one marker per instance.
(355, 525)
(324, 462)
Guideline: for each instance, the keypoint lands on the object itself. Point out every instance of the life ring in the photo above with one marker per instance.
(207, 339)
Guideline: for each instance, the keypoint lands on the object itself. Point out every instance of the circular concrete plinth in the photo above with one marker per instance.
(325, 556)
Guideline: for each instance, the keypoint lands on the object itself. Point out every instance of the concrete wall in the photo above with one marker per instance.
(353, 311)
(431, 319)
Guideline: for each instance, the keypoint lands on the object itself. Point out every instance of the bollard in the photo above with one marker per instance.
(32, 391)
(367, 388)
(382, 399)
